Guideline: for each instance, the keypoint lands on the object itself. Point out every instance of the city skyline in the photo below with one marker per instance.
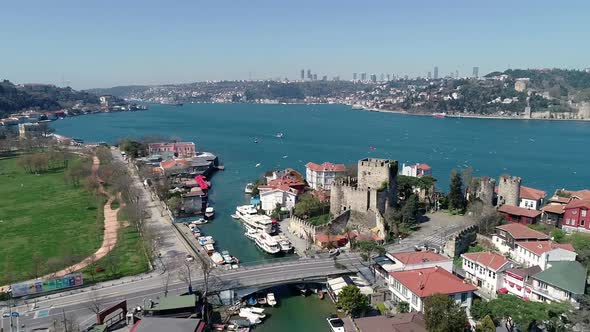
(107, 44)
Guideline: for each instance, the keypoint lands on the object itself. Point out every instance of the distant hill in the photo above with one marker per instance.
(15, 98)
(119, 91)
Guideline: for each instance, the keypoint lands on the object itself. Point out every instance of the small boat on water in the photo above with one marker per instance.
(251, 301)
(217, 258)
(235, 216)
(256, 140)
(250, 312)
(249, 188)
(200, 221)
(209, 212)
(271, 300)
(257, 165)
(204, 240)
(261, 300)
(285, 156)
(210, 248)
(227, 258)
(285, 245)
(440, 115)
(279, 135)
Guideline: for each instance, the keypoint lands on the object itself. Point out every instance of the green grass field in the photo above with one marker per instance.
(42, 215)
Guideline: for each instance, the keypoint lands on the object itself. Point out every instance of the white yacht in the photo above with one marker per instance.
(209, 212)
(249, 188)
(251, 234)
(285, 245)
(258, 222)
(265, 242)
(245, 210)
(271, 300)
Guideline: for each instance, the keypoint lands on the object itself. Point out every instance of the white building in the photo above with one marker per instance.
(417, 170)
(322, 176)
(484, 270)
(418, 260)
(531, 198)
(530, 253)
(562, 281)
(516, 281)
(285, 197)
(414, 286)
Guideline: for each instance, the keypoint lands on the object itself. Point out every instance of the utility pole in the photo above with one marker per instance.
(65, 321)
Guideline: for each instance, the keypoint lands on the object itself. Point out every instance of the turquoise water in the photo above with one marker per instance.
(547, 154)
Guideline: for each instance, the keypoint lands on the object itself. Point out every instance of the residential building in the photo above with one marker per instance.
(506, 236)
(180, 149)
(552, 214)
(484, 270)
(106, 101)
(530, 253)
(576, 216)
(521, 84)
(28, 130)
(323, 175)
(175, 167)
(283, 191)
(417, 170)
(519, 215)
(516, 281)
(562, 281)
(401, 322)
(403, 261)
(414, 286)
(531, 198)
(194, 202)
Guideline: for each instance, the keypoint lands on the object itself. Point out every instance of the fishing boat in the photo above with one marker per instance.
(204, 240)
(249, 188)
(209, 212)
(271, 300)
(250, 312)
(217, 258)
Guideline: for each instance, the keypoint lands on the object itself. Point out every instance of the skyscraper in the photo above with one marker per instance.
(325, 78)
(382, 77)
(309, 77)
(436, 73)
(373, 78)
(303, 74)
(315, 77)
(476, 72)
(354, 76)
(388, 77)
(363, 76)
(429, 75)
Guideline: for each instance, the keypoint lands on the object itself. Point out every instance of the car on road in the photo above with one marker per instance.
(334, 252)
(336, 324)
(5, 314)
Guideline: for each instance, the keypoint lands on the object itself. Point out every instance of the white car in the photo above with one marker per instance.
(336, 324)
(6, 315)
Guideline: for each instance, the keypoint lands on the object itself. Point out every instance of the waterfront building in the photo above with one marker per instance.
(323, 175)
(282, 191)
(435, 73)
(413, 260)
(414, 286)
(417, 170)
(180, 149)
(484, 270)
(576, 217)
(506, 236)
(530, 253)
(28, 130)
(531, 198)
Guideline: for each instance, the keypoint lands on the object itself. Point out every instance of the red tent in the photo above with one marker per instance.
(201, 180)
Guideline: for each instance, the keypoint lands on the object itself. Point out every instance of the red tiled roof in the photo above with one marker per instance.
(519, 231)
(327, 166)
(562, 200)
(540, 247)
(553, 208)
(576, 203)
(167, 164)
(531, 193)
(424, 167)
(433, 280)
(519, 211)
(418, 257)
(285, 184)
(491, 260)
(580, 194)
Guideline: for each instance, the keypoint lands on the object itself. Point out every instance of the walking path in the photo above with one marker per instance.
(111, 227)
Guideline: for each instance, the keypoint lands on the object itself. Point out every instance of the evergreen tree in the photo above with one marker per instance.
(456, 198)
(486, 325)
(352, 300)
(442, 314)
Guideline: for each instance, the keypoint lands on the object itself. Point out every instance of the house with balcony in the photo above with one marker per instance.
(323, 175)
(520, 215)
(484, 269)
(531, 253)
(563, 281)
(414, 286)
(516, 281)
(506, 236)
(576, 216)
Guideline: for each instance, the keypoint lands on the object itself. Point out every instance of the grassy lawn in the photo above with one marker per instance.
(42, 215)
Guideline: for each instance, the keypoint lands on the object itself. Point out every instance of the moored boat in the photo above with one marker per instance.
(271, 300)
(265, 242)
(249, 188)
(217, 258)
(209, 212)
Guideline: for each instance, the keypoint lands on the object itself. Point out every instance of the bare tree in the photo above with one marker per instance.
(167, 276)
(38, 265)
(185, 272)
(206, 269)
(95, 302)
(92, 266)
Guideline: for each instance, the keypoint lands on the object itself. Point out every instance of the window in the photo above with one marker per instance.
(567, 221)
(396, 285)
(463, 297)
(405, 291)
(582, 222)
(414, 300)
(583, 213)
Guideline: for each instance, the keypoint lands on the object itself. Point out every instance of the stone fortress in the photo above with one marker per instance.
(508, 190)
(365, 198)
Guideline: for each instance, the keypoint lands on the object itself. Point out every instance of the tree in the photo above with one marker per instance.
(174, 203)
(523, 314)
(368, 248)
(409, 212)
(309, 206)
(479, 310)
(486, 325)
(95, 302)
(442, 314)
(352, 300)
(276, 213)
(456, 197)
(403, 307)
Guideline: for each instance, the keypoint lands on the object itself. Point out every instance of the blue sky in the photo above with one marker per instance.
(105, 43)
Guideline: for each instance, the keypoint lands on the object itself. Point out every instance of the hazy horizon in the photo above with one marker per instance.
(110, 44)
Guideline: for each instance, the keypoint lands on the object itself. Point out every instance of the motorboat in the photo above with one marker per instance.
(249, 188)
(217, 258)
(235, 216)
(209, 248)
(227, 258)
(251, 301)
(440, 115)
(252, 317)
(200, 221)
(254, 311)
(243, 210)
(285, 245)
(257, 310)
(266, 242)
(209, 212)
(271, 300)
(204, 240)
(261, 300)
(251, 234)
(336, 324)
(257, 165)
(280, 135)
(257, 222)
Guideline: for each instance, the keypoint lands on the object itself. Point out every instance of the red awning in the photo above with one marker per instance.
(201, 181)
(503, 290)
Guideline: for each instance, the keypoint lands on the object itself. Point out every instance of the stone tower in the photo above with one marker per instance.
(508, 190)
(374, 173)
(485, 190)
